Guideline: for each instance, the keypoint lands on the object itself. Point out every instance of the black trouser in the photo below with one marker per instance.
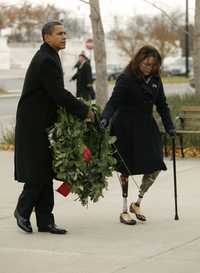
(86, 93)
(39, 196)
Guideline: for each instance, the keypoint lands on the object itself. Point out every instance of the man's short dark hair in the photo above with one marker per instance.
(49, 27)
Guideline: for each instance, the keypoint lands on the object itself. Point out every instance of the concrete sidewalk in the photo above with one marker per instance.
(97, 242)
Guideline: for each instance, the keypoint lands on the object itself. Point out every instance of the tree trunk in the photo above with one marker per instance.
(197, 48)
(99, 53)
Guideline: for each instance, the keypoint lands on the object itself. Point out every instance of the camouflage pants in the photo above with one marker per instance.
(147, 181)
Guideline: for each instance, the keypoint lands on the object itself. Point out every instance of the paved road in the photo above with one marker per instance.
(15, 84)
(8, 105)
(11, 84)
(180, 89)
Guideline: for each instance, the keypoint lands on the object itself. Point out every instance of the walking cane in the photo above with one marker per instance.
(174, 171)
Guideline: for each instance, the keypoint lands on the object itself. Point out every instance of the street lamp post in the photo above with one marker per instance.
(186, 40)
(61, 19)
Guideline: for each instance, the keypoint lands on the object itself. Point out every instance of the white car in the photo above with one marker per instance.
(177, 66)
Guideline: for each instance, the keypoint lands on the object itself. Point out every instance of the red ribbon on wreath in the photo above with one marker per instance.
(64, 189)
(87, 154)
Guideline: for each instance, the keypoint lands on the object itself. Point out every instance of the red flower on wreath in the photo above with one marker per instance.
(87, 154)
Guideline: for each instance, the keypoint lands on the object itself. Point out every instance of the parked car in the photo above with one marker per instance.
(113, 71)
(93, 75)
(177, 67)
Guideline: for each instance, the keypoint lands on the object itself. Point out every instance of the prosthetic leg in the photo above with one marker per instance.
(125, 217)
(147, 181)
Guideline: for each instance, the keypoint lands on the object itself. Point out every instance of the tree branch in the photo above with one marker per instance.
(162, 10)
(86, 2)
(166, 14)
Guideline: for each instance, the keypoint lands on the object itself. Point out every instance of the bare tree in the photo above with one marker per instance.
(141, 30)
(99, 52)
(182, 35)
(134, 35)
(27, 20)
(3, 19)
(197, 47)
(164, 35)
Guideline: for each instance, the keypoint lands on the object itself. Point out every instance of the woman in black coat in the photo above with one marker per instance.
(130, 109)
(42, 94)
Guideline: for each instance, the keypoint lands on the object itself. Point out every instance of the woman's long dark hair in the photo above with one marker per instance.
(143, 53)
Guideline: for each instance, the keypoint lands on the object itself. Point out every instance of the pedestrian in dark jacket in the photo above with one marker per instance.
(130, 110)
(83, 77)
(77, 64)
(43, 92)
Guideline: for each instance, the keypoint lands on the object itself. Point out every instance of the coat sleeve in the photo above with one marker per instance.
(88, 74)
(52, 81)
(117, 98)
(74, 77)
(163, 109)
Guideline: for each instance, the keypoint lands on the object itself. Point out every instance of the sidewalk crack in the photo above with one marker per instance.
(164, 252)
(173, 248)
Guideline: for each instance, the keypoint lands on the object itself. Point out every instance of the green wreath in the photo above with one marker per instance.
(82, 155)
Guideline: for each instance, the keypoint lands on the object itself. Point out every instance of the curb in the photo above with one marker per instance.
(10, 96)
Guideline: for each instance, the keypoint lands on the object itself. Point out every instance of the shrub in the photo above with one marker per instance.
(2, 91)
(8, 135)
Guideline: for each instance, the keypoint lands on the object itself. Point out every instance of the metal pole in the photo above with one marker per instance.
(175, 182)
(186, 40)
(61, 19)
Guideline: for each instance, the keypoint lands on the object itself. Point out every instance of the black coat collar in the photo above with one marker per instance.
(135, 77)
(49, 49)
(46, 47)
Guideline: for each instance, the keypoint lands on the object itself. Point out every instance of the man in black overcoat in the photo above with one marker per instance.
(83, 77)
(43, 92)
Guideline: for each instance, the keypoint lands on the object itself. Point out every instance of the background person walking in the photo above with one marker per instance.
(83, 77)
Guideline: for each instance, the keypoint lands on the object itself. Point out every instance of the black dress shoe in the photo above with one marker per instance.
(23, 223)
(52, 229)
